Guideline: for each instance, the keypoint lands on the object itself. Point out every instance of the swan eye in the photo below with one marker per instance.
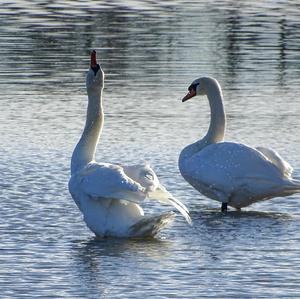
(193, 87)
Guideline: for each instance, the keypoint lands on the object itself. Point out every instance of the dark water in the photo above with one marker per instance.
(150, 52)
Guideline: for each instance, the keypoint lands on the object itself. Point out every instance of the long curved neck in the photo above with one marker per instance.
(216, 131)
(85, 149)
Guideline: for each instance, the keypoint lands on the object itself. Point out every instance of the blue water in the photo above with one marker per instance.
(150, 52)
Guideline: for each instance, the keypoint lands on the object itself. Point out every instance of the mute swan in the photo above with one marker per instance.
(109, 195)
(231, 173)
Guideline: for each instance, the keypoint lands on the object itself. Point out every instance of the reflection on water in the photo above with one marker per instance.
(112, 266)
(96, 248)
(150, 52)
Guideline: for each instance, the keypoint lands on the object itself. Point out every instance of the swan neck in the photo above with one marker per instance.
(94, 113)
(216, 130)
(85, 149)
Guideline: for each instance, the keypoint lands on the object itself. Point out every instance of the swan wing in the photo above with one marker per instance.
(146, 177)
(223, 169)
(109, 181)
(285, 168)
(162, 195)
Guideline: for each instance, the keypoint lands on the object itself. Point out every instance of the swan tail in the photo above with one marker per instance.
(290, 187)
(293, 186)
(150, 226)
(162, 195)
(283, 166)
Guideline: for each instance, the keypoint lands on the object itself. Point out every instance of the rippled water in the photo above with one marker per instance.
(150, 52)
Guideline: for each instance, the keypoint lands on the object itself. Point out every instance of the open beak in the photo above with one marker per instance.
(189, 95)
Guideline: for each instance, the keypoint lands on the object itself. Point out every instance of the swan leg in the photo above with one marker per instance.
(224, 207)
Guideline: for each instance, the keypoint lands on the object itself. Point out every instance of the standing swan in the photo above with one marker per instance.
(109, 195)
(231, 173)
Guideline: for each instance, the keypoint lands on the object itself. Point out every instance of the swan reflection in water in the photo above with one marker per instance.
(107, 263)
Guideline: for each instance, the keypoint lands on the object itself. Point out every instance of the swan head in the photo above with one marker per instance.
(95, 76)
(199, 86)
(144, 175)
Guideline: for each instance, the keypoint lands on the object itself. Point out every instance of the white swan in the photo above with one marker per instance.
(231, 173)
(109, 195)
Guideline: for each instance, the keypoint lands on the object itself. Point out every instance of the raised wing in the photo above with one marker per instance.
(109, 181)
(162, 195)
(146, 177)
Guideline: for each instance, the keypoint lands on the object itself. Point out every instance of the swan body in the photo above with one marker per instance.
(108, 195)
(232, 173)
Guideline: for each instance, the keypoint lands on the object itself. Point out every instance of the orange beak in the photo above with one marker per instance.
(93, 59)
(189, 95)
